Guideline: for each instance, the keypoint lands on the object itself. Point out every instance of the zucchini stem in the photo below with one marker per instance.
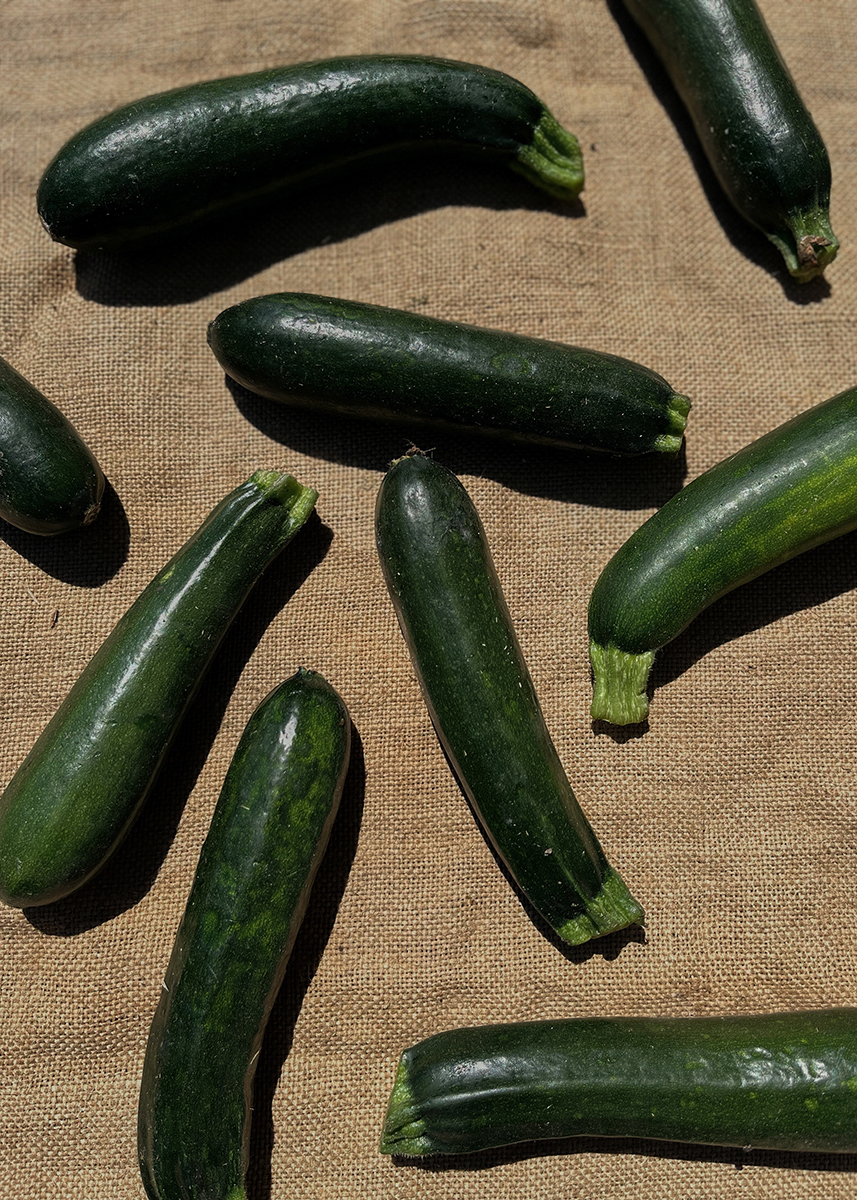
(612, 908)
(813, 245)
(553, 161)
(620, 684)
(670, 443)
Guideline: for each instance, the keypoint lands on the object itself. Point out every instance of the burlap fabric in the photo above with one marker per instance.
(731, 817)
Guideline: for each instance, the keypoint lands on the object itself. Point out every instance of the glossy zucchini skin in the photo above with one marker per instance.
(50, 481)
(790, 490)
(170, 158)
(481, 699)
(363, 360)
(784, 1081)
(75, 796)
(267, 838)
(750, 119)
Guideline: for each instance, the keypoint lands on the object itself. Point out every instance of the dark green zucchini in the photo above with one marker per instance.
(341, 356)
(790, 490)
(249, 895)
(75, 796)
(176, 156)
(753, 126)
(481, 699)
(49, 479)
(784, 1081)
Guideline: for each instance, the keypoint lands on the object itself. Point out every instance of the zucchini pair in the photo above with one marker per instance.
(341, 357)
(177, 156)
(790, 490)
(77, 793)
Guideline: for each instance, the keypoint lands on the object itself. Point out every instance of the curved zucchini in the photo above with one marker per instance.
(790, 490)
(481, 699)
(784, 1081)
(267, 838)
(754, 128)
(173, 157)
(76, 794)
(49, 479)
(356, 359)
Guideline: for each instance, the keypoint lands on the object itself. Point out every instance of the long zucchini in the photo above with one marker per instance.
(249, 895)
(792, 489)
(785, 1081)
(49, 480)
(481, 699)
(753, 126)
(170, 158)
(75, 796)
(344, 357)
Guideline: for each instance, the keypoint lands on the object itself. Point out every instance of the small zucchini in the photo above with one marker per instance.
(249, 895)
(783, 1081)
(344, 357)
(790, 490)
(75, 796)
(170, 158)
(49, 479)
(481, 699)
(753, 126)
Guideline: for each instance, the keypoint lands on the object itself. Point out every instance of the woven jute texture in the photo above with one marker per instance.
(731, 815)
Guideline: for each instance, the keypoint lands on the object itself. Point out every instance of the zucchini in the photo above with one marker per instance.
(481, 699)
(354, 359)
(75, 796)
(753, 126)
(784, 1081)
(49, 479)
(790, 490)
(176, 156)
(249, 895)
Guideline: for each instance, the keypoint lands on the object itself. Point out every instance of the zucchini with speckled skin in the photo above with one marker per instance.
(78, 791)
(267, 838)
(784, 1081)
(171, 158)
(790, 490)
(750, 119)
(481, 699)
(342, 357)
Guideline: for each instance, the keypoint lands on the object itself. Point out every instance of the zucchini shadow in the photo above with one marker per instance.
(213, 254)
(132, 869)
(310, 945)
(746, 239)
(570, 476)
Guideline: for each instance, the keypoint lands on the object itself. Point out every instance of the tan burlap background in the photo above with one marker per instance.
(732, 816)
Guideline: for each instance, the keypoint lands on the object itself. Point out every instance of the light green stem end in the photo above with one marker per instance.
(278, 486)
(670, 442)
(403, 1132)
(613, 908)
(552, 161)
(813, 245)
(620, 684)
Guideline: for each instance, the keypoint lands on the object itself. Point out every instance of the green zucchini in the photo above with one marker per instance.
(750, 119)
(344, 357)
(75, 796)
(784, 1081)
(49, 479)
(481, 699)
(249, 895)
(170, 158)
(790, 490)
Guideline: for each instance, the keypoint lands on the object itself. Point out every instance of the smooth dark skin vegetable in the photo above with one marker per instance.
(75, 796)
(790, 490)
(344, 357)
(49, 480)
(753, 126)
(783, 1081)
(267, 838)
(171, 158)
(481, 699)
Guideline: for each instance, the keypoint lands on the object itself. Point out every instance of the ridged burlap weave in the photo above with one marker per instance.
(732, 816)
